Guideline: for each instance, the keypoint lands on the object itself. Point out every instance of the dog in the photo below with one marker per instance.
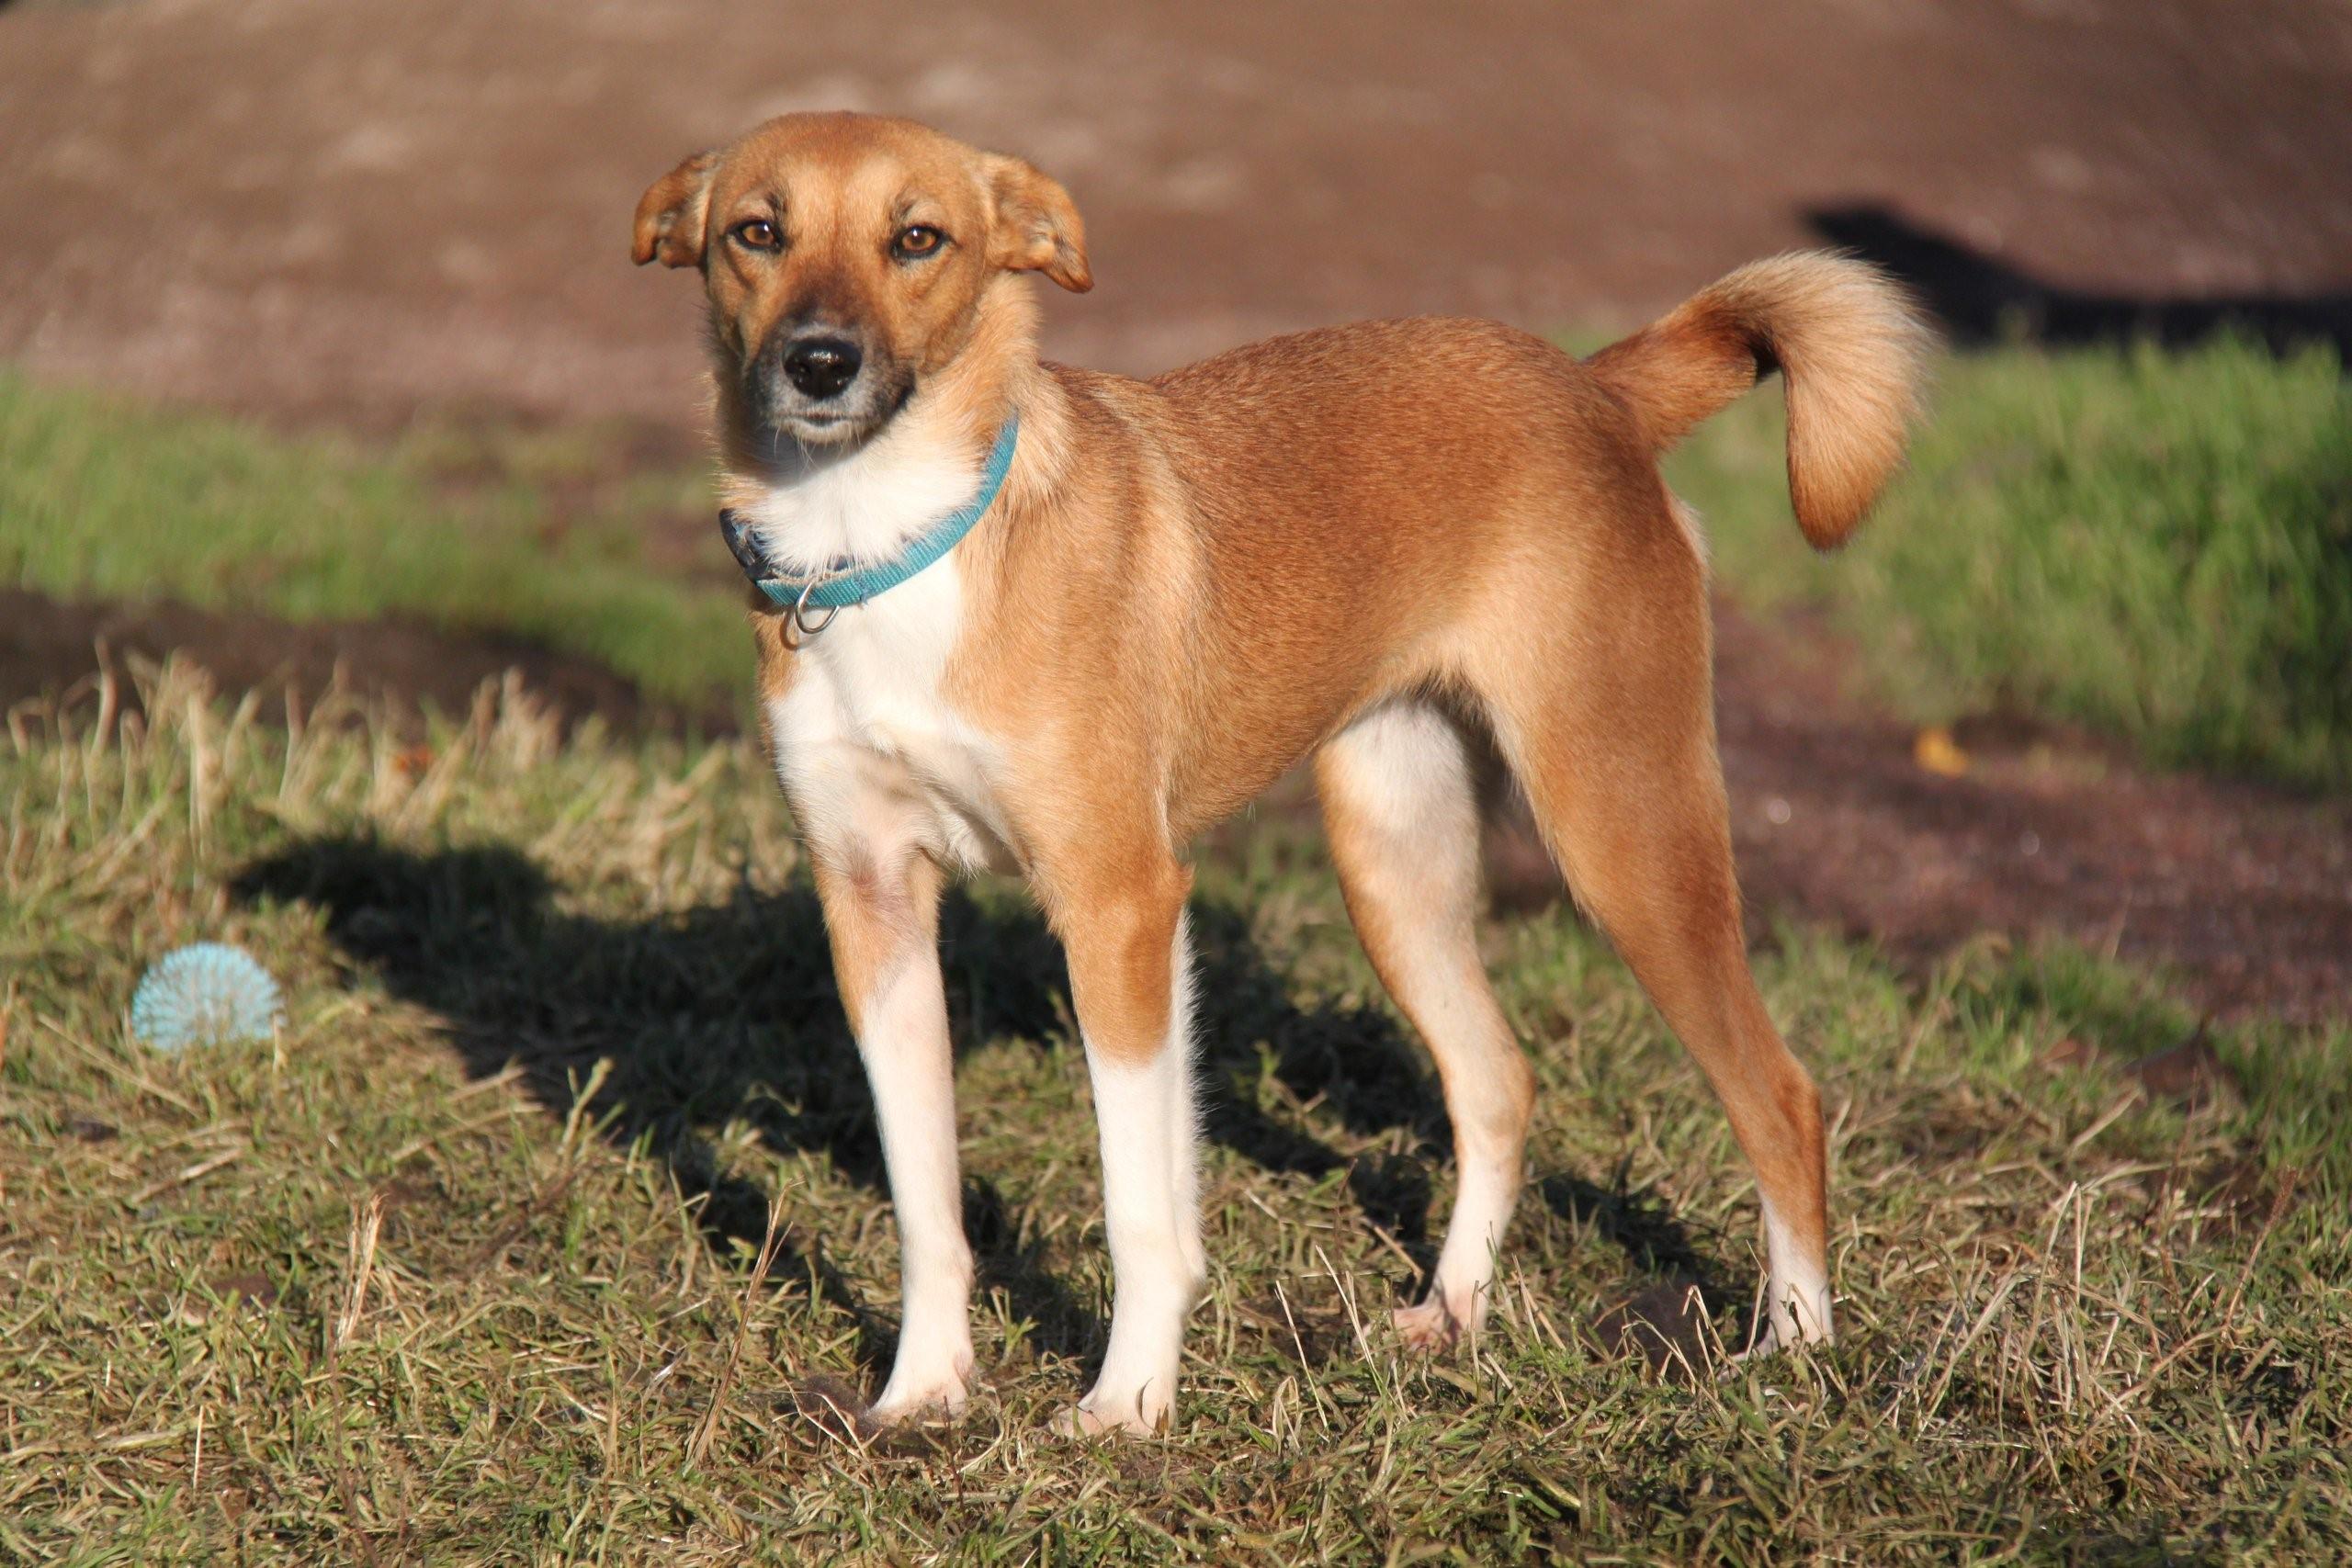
(1015, 616)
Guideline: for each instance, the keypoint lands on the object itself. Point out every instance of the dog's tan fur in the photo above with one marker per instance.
(1386, 547)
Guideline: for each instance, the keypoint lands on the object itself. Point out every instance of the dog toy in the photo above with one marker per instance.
(206, 994)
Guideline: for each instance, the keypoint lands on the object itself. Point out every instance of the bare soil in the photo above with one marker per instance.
(359, 208)
(2245, 888)
(55, 652)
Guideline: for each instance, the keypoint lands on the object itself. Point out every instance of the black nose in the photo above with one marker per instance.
(822, 367)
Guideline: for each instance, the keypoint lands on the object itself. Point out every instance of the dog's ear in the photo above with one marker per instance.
(1037, 228)
(675, 213)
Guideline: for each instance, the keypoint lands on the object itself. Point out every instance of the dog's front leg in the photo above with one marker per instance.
(882, 916)
(1130, 975)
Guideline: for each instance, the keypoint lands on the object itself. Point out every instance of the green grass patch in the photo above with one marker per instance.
(2158, 546)
(565, 1009)
(104, 500)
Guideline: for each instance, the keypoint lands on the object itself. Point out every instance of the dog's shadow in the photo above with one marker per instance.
(729, 1011)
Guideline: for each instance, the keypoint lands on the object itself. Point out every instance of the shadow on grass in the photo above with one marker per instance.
(729, 1011)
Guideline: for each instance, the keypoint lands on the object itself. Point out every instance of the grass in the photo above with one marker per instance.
(479, 529)
(2156, 546)
(461, 1266)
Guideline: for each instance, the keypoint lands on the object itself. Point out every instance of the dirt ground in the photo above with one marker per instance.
(2247, 890)
(365, 206)
(356, 212)
(53, 652)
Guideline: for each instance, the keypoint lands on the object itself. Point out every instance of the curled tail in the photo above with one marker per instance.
(1846, 338)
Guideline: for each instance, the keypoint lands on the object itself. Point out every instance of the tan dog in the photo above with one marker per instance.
(1384, 547)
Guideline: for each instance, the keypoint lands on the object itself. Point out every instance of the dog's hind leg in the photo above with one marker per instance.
(1610, 731)
(1400, 809)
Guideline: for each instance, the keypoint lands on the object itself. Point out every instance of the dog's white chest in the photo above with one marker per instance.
(868, 747)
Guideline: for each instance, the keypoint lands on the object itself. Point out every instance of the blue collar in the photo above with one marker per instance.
(844, 582)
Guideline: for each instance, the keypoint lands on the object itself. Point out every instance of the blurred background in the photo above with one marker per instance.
(321, 358)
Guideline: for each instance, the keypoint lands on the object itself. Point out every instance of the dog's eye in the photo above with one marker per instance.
(756, 235)
(916, 240)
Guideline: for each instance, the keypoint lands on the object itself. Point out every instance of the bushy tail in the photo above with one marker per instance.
(1848, 340)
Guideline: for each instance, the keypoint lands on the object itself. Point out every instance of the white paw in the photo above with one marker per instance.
(922, 1396)
(1141, 1412)
(1439, 1323)
(1428, 1327)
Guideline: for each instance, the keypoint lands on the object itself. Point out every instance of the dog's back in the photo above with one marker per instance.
(1368, 499)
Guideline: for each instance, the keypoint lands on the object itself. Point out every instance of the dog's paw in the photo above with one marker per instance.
(1126, 1420)
(1429, 1326)
(1124, 1406)
(906, 1401)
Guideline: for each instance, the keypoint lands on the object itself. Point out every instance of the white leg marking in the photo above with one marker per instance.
(1404, 775)
(1461, 1288)
(1151, 1193)
(1796, 1291)
(912, 1068)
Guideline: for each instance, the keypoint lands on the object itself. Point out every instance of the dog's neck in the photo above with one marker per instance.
(811, 510)
(812, 507)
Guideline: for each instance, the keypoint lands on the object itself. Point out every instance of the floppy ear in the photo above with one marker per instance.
(672, 215)
(1037, 227)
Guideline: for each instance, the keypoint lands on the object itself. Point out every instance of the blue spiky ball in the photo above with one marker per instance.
(206, 994)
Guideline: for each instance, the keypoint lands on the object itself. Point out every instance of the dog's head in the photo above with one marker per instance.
(847, 257)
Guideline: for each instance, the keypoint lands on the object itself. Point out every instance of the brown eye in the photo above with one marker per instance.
(916, 240)
(756, 235)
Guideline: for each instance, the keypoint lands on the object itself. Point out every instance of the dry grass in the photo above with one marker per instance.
(550, 1230)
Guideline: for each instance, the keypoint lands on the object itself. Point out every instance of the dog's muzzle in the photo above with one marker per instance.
(822, 386)
(821, 367)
